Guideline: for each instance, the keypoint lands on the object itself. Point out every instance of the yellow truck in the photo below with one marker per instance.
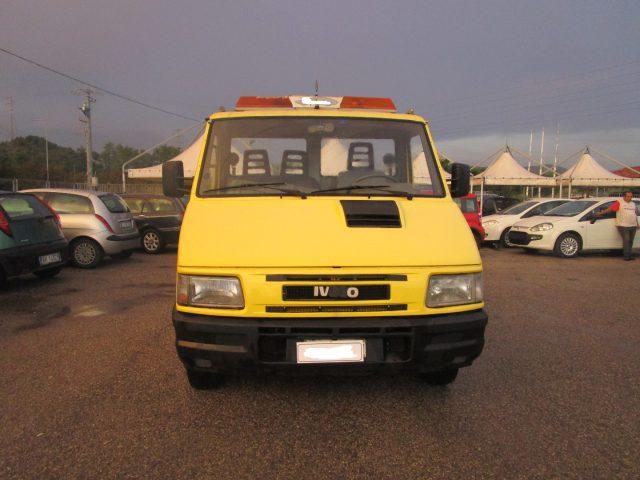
(321, 238)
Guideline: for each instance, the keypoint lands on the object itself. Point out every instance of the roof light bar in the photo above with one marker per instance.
(308, 101)
(248, 103)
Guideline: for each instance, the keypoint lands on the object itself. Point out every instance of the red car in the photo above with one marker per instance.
(471, 211)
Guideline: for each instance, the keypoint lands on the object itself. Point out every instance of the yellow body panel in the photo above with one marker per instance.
(251, 237)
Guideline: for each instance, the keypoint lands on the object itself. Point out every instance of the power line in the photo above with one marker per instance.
(517, 86)
(102, 89)
(536, 119)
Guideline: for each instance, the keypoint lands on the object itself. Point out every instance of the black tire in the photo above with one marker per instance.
(122, 255)
(502, 243)
(151, 241)
(3, 279)
(568, 245)
(85, 253)
(204, 380)
(48, 273)
(444, 377)
(478, 239)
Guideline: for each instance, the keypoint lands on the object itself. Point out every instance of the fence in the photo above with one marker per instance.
(15, 184)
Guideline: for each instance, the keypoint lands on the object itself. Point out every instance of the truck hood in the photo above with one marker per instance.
(313, 232)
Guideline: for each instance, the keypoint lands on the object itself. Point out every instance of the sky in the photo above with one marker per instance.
(482, 73)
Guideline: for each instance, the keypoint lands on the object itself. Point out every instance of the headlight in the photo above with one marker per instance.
(542, 227)
(216, 292)
(489, 223)
(446, 290)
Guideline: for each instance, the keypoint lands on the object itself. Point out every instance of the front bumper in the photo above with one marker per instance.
(419, 343)
(23, 260)
(539, 241)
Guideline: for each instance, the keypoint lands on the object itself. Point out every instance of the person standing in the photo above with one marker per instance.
(626, 221)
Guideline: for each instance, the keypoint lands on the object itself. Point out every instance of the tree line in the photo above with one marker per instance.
(25, 158)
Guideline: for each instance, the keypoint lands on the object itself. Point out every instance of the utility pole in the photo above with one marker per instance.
(86, 111)
(12, 120)
(541, 161)
(46, 149)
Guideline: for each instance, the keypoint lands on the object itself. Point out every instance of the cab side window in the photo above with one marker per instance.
(68, 203)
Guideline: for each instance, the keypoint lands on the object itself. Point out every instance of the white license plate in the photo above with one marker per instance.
(126, 224)
(51, 258)
(331, 351)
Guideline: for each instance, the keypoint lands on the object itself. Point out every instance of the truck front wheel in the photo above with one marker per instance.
(203, 380)
(444, 377)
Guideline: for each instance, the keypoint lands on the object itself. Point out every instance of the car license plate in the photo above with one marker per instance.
(331, 351)
(126, 224)
(51, 258)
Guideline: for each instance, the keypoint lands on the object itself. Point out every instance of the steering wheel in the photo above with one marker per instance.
(375, 175)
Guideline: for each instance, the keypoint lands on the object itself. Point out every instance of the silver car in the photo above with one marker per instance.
(94, 223)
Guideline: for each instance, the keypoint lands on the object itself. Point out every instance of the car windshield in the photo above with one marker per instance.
(19, 206)
(114, 203)
(570, 209)
(518, 208)
(318, 156)
(467, 205)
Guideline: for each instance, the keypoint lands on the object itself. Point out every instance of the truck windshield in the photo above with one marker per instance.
(318, 156)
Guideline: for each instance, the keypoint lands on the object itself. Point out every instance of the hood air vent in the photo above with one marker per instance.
(371, 213)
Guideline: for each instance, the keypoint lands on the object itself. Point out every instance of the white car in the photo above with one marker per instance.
(497, 225)
(571, 228)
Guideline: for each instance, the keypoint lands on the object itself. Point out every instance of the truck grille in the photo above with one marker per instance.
(335, 308)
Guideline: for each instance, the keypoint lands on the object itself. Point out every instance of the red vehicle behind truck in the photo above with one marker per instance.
(471, 210)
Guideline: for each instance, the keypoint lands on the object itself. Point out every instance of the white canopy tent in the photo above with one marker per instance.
(505, 170)
(587, 172)
(189, 158)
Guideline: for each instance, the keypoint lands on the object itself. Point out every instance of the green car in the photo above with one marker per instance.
(31, 240)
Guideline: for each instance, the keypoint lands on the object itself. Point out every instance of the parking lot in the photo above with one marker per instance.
(90, 386)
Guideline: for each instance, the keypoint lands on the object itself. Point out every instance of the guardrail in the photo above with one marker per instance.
(15, 184)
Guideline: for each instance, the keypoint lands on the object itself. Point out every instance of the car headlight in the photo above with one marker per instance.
(215, 292)
(542, 227)
(489, 223)
(447, 290)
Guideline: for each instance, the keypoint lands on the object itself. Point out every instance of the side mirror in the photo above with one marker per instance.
(460, 179)
(173, 179)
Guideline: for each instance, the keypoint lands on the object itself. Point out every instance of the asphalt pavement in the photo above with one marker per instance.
(91, 387)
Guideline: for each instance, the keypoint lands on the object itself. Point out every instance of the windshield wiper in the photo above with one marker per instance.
(384, 188)
(271, 186)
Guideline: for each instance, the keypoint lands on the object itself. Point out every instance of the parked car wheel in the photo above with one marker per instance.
(123, 255)
(204, 380)
(48, 273)
(152, 241)
(86, 253)
(502, 243)
(568, 245)
(478, 239)
(444, 377)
